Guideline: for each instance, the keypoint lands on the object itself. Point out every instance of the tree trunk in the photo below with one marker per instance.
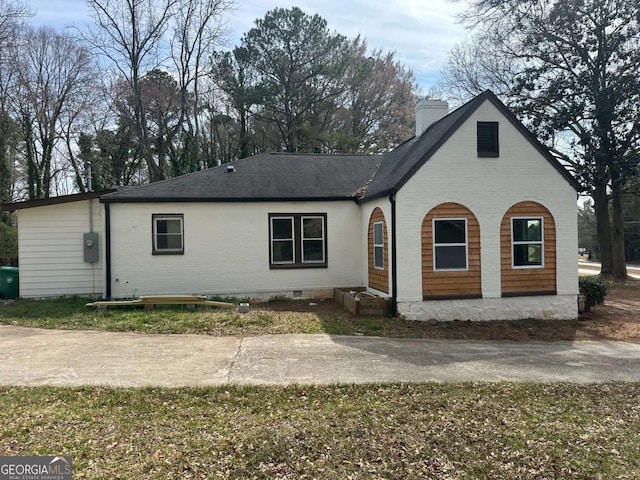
(5, 176)
(617, 234)
(603, 227)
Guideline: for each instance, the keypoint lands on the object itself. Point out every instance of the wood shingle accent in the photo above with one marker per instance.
(378, 278)
(528, 281)
(438, 285)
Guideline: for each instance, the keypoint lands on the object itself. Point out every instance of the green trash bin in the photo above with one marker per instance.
(9, 282)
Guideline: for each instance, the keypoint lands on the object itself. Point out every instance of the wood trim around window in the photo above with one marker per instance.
(451, 284)
(378, 277)
(519, 281)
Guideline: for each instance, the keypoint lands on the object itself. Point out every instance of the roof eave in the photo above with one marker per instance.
(45, 202)
(227, 199)
(376, 196)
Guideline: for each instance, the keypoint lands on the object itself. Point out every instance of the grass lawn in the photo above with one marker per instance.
(72, 314)
(455, 431)
(618, 319)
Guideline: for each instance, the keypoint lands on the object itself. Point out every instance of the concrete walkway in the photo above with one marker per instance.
(30, 356)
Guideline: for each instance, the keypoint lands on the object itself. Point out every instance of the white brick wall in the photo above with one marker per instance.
(488, 187)
(227, 250)
(558, 307)
(51, 250)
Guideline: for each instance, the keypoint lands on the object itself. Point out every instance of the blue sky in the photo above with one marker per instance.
(420, 32)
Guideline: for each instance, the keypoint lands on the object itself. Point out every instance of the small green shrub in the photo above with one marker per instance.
(593, 291)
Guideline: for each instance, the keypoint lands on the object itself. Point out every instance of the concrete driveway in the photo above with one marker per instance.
(55, 357)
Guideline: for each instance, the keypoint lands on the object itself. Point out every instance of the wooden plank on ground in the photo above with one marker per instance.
(148, 301)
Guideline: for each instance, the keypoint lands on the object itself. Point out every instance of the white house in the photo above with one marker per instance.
(470, 219)
(50, 242)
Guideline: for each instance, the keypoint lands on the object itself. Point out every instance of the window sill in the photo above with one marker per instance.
(533, 293)
(167, 252)
(488, 154)
(445, 270)
(296, 266)
(468, 296)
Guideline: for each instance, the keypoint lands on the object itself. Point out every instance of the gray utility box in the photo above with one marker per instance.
(90, 245)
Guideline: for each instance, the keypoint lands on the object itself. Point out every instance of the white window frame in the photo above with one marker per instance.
(465, 244)
(168, 216)
(302, 219)
(292, 240)
(528, 242)
(378, 245)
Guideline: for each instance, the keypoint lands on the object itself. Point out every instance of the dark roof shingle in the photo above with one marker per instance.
(268, 176)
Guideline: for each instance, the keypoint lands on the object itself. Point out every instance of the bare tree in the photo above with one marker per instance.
(53, 76)
(379, 104)
(129, 33)
(199, 27)
(476, 64)
(138, 36)
(11, 13)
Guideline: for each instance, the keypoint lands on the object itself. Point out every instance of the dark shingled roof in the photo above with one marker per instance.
(268, 176)
(286, 176)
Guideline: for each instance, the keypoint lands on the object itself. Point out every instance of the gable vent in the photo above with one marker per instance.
(488, 139)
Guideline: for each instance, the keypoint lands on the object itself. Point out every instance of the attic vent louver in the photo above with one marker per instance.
(230, 169)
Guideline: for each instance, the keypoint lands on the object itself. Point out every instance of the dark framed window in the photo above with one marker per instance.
(378, 245)
(297, 240)
(450, 244)
(168, 234)
(488, 139)
(527, 244)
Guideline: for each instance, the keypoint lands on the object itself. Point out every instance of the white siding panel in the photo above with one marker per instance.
(488, 187)
(51, 250)
(226, 250)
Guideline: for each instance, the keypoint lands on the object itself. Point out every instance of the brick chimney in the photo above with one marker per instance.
(428, 112)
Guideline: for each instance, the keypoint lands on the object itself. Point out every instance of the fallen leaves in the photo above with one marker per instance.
(474, 430)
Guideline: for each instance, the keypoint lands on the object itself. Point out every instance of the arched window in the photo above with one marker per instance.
(450, 253)
(378, 251)
(528, 250)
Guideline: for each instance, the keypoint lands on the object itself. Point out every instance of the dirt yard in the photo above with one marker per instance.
(617, 319)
